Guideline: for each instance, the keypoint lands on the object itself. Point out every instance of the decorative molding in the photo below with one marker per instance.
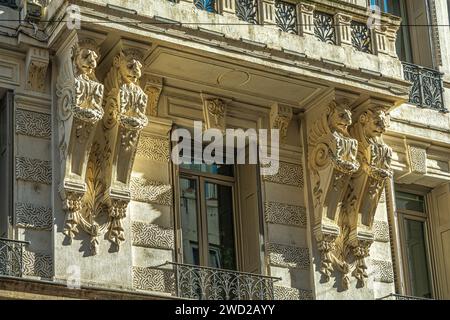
(288, 174)
(288, 256)
(280, 213)
(152, 235)
(153, 279)
(144, 190)
(383, 271)
(33, 124)
(37, 61)
(37, 264)
(214, 112)
(417, 160)
(153, 88)
(33, 217)
(381, 231)
(435, 34)
(33, 170)
(154, 148)
(306, 18)
(287, 293)
(280, 117)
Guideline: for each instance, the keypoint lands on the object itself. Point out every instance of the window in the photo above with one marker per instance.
(413, 224)
(208, 215)
(398, 8)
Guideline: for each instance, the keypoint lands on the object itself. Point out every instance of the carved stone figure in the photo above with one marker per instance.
(80, 97)
(113, 152)
(332, 160)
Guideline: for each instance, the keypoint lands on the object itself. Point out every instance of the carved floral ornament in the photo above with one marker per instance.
(99, 131)
(349, 165)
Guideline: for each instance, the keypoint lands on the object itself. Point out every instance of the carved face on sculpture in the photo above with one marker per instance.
(86, 61)
(340, 118)
(375, 122)
(130, 68)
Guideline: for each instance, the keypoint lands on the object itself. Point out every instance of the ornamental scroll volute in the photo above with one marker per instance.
(332, 160)
(80, 97)
(367, 184)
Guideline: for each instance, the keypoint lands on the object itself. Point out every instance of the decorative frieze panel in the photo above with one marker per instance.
(383, 270)
(381, 231)
(324, 27)
(288, 256)
(287, 293)
(154, 148)
(288, 174)
(37, 264)
(286, 16)
(34, 124)
(33, 170)
(286, 214)
(144, 190)
(33, 217)
(152, 279)
(361, 37)
(152, 235)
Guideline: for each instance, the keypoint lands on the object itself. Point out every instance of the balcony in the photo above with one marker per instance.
(203, 283)
(11, 257)
(394, 296)
(427, 87)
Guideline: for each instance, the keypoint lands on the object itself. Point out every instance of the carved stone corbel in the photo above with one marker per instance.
(214, 112)
(131, 104)
(332, 161)
(280, 117)
(367, 184)
(80, 98)
(152, 87)
(37, 61)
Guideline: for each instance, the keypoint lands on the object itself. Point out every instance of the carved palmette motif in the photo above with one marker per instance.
(349, 164)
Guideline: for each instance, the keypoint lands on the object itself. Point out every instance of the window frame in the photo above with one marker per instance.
(402, 215)
(202, 223)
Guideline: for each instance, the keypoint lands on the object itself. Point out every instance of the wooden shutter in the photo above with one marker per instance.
(420, 33)
(249, 219)
(6, 163)
(440, 232)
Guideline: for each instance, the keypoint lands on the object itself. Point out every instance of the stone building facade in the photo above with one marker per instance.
(94, 207)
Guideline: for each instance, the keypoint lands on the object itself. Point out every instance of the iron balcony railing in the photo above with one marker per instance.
(427, 87)
(203, 283)
(11, 257)
(394, 296)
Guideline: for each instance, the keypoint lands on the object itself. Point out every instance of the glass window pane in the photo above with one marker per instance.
(417, 258)
(189, 222)
(408, 201)
(222, 169)
(219, 210)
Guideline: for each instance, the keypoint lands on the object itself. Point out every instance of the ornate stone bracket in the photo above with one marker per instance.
(80, 98)
(349, 165)
(152, 87)
(214, 112)
(37, 61)
(280, 117)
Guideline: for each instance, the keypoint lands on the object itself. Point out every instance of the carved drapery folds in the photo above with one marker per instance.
(349, 165)
(100, 131)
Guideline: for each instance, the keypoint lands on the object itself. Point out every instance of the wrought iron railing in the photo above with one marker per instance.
(394, 296)
(427, 87)
(11, 257)
(203, 283)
